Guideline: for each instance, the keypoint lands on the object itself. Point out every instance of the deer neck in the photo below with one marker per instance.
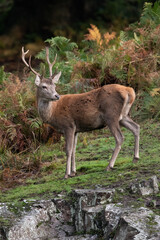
(45, 109)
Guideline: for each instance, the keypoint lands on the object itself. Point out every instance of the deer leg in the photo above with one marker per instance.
(128, 123)
(73, 162)
(119, 140)
(69, 136)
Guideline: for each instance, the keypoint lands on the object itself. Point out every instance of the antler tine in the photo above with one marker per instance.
(36, 73)
(49, 63)
(23, 56)
(28, 65)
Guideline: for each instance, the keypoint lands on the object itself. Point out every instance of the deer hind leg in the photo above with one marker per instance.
(69, 136)
(119, 140)
(128, 123)
(73, 162)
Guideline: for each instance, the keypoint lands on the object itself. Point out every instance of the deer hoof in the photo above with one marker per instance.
(72, 174)
(135, 160)
(66, 176)
(109, 168)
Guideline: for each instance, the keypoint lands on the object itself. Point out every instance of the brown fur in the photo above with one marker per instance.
(91, 110)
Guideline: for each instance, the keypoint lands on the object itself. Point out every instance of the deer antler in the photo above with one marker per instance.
(49, 63)
(28, 65)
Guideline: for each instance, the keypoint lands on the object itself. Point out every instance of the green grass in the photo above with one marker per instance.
(93, 153)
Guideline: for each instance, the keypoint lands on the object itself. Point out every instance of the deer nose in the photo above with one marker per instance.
(57, 96)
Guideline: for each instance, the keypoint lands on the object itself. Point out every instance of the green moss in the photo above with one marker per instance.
(4, 221)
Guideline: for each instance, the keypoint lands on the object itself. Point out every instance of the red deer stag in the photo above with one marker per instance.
(73, 113)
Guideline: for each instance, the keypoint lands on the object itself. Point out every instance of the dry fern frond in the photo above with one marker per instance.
(94, 35)
(155, 91)
(108, 37)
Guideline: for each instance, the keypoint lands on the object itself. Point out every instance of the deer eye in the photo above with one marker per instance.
(44, 87)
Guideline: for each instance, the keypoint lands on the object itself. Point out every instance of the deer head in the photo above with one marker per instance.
(45, 86)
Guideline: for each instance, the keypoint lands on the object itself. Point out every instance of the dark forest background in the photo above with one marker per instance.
(49, 17)
(34, 21)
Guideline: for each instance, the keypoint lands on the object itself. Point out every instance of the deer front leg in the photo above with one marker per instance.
(73, 162)
(69, 136)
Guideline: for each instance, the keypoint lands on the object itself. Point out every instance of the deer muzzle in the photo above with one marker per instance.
(55, 98)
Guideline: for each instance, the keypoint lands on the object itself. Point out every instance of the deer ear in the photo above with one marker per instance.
(37, 80)
(56, 78)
